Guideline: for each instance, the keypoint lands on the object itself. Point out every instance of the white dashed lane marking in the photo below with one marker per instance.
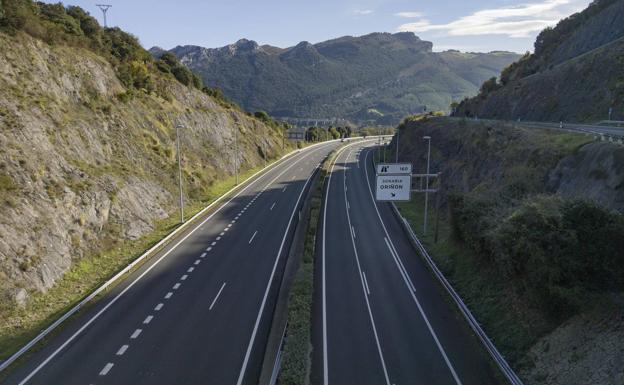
(190, 269)
(252, 237)
(106, 369)
(122, 350)
(217, 297)
(159, 306)
(135, 334)
(168, 295)
(176, 286)
(273, 205)
(148, 319)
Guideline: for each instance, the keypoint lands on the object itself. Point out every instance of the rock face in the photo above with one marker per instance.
(390, 74)
(85, 165)
(585, 350)
(595, 172)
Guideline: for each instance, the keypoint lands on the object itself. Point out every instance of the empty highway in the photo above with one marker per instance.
(379, 315)
(199, 311)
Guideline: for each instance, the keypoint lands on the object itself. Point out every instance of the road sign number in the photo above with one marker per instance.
(394, 168)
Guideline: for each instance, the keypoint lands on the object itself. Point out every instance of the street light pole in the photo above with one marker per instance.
(178, 126)
(396, 160)
(236, 153)
(428, 139)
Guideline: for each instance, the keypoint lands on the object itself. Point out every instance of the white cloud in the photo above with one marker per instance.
(409, 15)
(514, 21)
(363, 12)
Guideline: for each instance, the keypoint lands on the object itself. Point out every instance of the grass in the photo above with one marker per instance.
(297, 347)
(18, 325)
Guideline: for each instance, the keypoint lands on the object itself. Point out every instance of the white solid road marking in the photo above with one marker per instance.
(124, 291)
(359, 267)
(365, 282)
(217, 297)
(168, 295)
(407, 280)
(106, 369)
(353, 231)
(273, 205)
(159, 306)
(122, 350)
(402, 270)
(184, 277)
(323, 281)
(190, 269)
(252, 237)
(148, 319)
(176, 286)
(268, 287)
(136, 334)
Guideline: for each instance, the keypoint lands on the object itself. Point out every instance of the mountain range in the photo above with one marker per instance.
(379, 77)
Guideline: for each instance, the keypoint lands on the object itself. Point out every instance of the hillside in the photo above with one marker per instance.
(88, 163)
(531, 234)
(379, 77)
(575, 75)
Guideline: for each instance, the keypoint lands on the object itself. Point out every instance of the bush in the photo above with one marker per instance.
(554, 252)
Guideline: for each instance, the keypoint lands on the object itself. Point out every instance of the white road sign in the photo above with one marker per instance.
(393, 187)
(394, 168)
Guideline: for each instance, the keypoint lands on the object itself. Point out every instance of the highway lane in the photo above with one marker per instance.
(199, 311)
(380, 316)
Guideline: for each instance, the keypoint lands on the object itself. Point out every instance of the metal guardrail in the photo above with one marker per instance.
(507, 371)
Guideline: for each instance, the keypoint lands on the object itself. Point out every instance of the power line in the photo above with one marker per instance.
(104, 8)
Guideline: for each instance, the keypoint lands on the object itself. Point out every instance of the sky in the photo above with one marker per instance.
(466, 25)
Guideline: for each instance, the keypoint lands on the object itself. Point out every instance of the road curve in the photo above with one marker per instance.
(380, 317)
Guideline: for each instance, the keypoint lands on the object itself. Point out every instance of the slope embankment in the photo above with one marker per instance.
(88, 169)
(530, 235)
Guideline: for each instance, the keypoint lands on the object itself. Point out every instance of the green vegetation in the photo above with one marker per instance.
(296, 356)
(72, 26)
(523, 260)
(577, 44)
(350, 77)
(553, 252)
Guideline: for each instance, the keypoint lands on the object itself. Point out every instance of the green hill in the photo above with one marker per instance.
(379, 77)
(575, 75)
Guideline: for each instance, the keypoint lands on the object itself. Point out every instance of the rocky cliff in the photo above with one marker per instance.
(87, 163)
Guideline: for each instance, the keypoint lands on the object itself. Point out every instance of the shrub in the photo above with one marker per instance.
(553, 251)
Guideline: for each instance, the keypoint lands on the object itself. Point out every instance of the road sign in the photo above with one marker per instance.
(393, 187)
(394, 169)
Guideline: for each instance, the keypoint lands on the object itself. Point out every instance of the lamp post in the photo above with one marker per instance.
(396, 160)
(178, 126)
(236, 153)
(428, 139)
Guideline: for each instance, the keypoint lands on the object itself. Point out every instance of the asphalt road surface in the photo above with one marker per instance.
(379, 316)
(198, 312)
